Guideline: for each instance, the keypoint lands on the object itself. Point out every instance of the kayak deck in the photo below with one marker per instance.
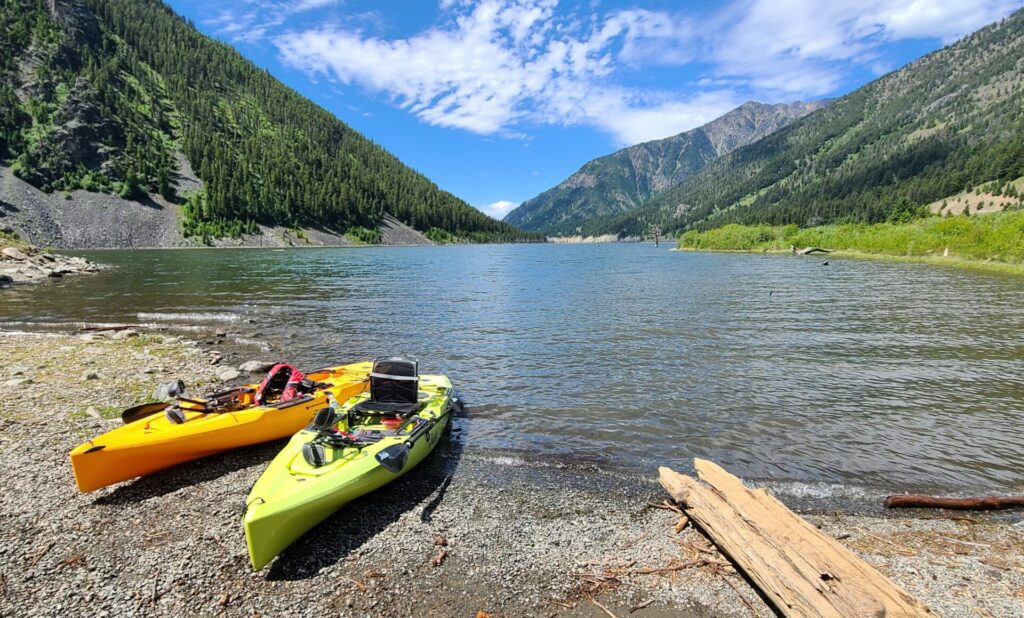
(155, 442)
(293, 495)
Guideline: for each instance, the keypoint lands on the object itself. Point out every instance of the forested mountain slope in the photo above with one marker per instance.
(103, 95)
(950, 121)
(619, 182)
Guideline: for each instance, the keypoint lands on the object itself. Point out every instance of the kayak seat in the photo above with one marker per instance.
(383, 408)
(394, 388)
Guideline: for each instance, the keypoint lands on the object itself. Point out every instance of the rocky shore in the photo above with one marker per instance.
(27, 264)
(467, 533)
(85, 220)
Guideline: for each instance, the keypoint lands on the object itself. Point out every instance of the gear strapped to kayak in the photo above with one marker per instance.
(283, 383)
(346, 452)
(159, 435)
(394, 396)
(283, 380)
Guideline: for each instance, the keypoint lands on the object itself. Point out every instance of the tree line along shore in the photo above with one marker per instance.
(991, 241)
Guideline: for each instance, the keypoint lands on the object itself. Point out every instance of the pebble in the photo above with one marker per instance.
(230, 374)
(91, 375)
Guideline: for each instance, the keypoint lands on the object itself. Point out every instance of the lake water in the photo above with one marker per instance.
(894, 376)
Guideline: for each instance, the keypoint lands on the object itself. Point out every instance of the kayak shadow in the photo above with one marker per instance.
(191, 473)
(362, 519)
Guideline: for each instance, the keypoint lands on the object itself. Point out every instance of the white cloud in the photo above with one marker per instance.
(499, 209)
(298, 6)
(500, 64)
(799, 47)
(498, 67)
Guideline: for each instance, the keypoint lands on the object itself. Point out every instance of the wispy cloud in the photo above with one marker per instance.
(251, 20)
(499, 67)
(804, 47)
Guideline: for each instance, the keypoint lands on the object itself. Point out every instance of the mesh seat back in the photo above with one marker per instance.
(394, 380)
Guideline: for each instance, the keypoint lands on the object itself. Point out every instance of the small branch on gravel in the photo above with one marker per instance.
(640, 606)
(958, 541)
(666, 505)
(601, 606)
(738, 593)
(898, 549)
(682, 523)
(156, 581)
(42, 553)
(680, 566)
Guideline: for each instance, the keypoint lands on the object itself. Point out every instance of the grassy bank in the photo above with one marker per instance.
(995, 240)
(10, 239)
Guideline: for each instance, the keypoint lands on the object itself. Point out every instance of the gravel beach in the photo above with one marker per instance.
(467, 533)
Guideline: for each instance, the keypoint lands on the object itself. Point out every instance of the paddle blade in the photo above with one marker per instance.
(140, 412)
(393, 458)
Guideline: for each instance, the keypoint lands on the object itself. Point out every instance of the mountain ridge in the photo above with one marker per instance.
(620, 181)
(945, 124)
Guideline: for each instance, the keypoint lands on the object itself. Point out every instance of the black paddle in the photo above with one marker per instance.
(140, 412)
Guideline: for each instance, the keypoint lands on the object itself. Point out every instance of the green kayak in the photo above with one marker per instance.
(348, 451)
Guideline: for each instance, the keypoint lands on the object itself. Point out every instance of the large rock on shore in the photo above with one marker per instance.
(12, 253)
(26, 265)
(255, 366)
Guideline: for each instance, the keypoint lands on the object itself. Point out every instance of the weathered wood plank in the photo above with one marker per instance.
(802, 571)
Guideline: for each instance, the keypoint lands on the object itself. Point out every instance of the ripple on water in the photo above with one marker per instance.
(894, 376)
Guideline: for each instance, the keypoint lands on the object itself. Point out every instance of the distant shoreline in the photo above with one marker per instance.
(991, 243)
(933, 260)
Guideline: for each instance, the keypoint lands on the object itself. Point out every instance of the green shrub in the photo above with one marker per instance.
(365, 235)
(997, 236)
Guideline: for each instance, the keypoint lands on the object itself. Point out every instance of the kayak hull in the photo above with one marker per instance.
(291, 497)
(154, 443)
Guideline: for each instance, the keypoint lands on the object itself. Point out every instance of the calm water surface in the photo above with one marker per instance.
(886, 375)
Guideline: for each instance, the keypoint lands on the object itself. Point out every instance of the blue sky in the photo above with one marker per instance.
(498, 100)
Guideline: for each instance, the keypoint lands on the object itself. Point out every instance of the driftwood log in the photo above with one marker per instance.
(108, 328)
(800, 570)
(808, 250)
(983, 503)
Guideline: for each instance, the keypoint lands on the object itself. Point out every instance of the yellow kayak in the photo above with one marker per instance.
(194, 428)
